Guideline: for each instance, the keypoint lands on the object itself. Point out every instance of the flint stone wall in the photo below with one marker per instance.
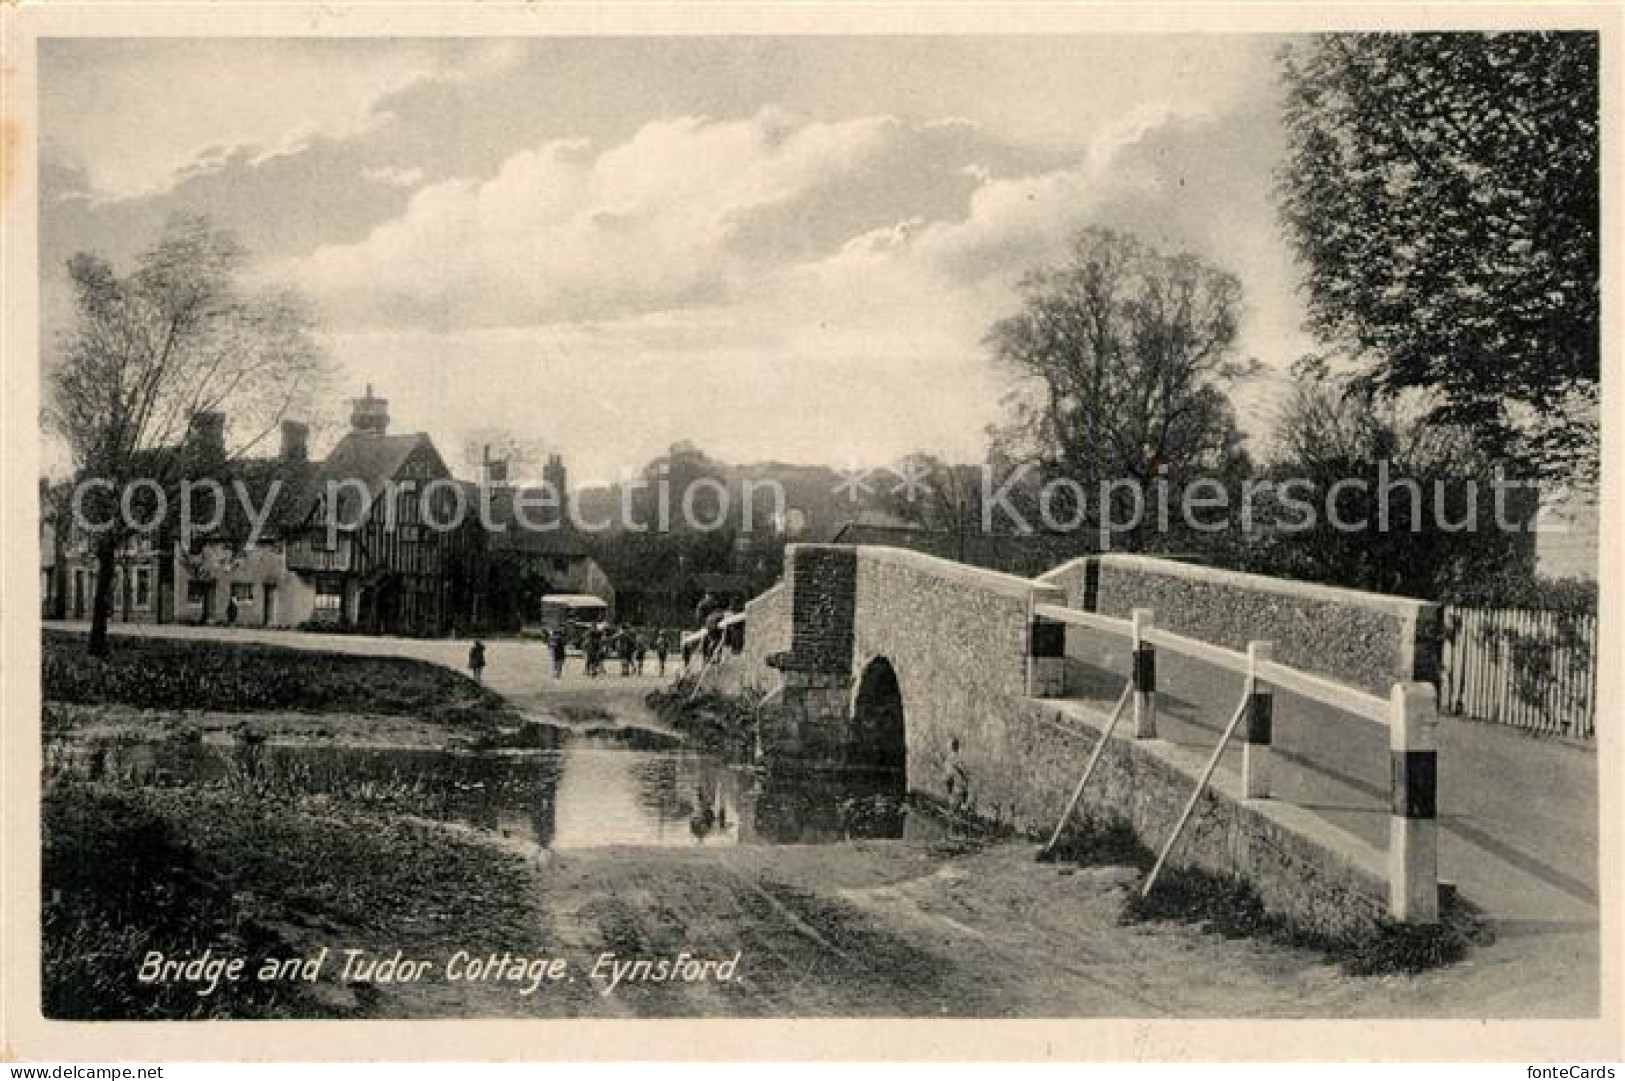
(1368, 640)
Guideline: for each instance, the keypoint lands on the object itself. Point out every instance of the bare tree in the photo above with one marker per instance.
(176, 337)
(938, 496)
(1122, 357)
(521, 454)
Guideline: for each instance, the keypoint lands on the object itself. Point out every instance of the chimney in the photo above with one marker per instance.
(369, 415)
(206, 437)
(554, 476)
(295, 441)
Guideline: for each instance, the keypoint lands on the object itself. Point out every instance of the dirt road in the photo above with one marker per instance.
(905, 929)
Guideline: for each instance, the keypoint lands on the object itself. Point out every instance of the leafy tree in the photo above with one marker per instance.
(148, 351)
(1383, 497)
(1442, 192)
(1122, 357)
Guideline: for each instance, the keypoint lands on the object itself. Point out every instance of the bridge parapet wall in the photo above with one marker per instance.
(767, 631)
(1367, 640)
(957, 637)
(964, 648)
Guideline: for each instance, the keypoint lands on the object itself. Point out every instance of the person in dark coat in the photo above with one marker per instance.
(627, 646)
(594, 649)
(558, 647)
(713, 632)
(476, 661)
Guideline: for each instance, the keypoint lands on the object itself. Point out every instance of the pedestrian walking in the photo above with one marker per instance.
(662, 648)
(476, 661)
(558, 646)
(713, 633)
(231, 611)
(594, 649)
(626, 648)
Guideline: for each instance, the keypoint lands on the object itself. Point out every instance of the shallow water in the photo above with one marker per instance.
(587, 792)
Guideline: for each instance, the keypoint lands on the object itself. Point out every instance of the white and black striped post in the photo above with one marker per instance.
(1046, 650)
(1413, 828)
(1144, 675)
(1255, 751)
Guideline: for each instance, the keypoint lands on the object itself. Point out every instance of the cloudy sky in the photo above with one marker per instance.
(779, 248)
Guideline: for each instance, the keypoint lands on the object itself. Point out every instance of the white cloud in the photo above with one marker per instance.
(606, 283)
(394, 175)
(611, 270)
(564, 232)
(141, 113)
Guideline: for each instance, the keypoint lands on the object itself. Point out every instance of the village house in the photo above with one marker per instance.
(534, 547)
(387, 540)
(161, 577)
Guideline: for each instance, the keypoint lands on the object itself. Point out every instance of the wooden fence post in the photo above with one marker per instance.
(1255, 752)
(1413, 826)
(1144, 676)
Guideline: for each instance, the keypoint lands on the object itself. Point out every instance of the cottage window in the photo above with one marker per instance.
(197, 591)
(242, 592)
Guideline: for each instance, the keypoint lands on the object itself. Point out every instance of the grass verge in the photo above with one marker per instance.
(253, 875)
(723, 723)
(238, 677)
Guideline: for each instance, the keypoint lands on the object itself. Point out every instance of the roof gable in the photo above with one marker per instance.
(362, 465)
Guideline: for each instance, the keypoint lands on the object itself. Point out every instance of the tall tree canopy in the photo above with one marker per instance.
(1400, 504)
(1122, 356)
(1442, 191)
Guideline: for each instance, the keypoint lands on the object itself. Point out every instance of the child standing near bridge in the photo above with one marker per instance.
(476, 661)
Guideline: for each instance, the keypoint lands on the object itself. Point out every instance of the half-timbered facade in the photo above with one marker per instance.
(391, 542)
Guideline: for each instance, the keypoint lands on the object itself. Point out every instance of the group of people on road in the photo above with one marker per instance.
(601, 643)
(630, 646)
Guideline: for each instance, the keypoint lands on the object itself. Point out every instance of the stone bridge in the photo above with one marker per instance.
(991, 691)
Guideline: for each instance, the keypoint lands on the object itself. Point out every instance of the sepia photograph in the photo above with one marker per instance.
(811, 526)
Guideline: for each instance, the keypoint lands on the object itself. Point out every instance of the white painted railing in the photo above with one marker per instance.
(1076, 617)
(1328, 692)
(1218, 656)
(1410, 713)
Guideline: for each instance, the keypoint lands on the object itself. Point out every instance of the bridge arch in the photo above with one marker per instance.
(879, 730)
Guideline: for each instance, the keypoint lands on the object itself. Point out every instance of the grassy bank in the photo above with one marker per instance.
(245, 866)
(239, 677)
(249, 873)
(716, 721)
(1229, 906)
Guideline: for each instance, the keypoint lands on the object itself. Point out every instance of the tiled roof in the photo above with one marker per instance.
(371, 460)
